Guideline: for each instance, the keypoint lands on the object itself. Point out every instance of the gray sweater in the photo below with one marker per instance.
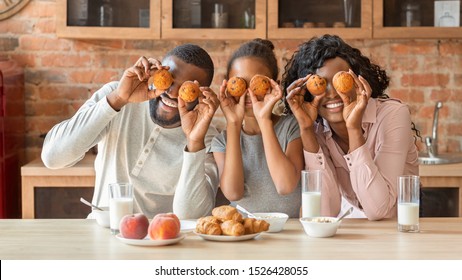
(132, 148)
(260, 194)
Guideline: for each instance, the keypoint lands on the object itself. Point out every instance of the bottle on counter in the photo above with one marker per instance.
(410, 13)
(77, 12)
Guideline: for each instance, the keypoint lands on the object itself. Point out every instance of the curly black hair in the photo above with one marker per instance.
(312, 55)
(259, 48)
(195, 55)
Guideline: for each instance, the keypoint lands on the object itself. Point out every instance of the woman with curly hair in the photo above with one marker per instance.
(361, 139)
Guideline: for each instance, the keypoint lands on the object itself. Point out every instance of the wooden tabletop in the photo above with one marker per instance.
(440, 238)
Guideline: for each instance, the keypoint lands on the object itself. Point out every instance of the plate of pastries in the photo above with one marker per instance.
(227, 224)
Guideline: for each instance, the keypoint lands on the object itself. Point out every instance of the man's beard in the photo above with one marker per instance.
(175, 121)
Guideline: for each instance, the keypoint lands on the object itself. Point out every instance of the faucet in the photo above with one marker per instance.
(432, 142)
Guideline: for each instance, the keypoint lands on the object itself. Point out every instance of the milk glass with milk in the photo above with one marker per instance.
(408, 203)
(120, 203)
(311, 193)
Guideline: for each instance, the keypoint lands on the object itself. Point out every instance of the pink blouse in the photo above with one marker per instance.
(367, 176)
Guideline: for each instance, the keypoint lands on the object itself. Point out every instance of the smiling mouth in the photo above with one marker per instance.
(334, 105)
(168, 102)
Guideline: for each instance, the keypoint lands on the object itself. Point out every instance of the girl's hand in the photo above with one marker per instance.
(233, 111)
(263, 109)
(354, 108)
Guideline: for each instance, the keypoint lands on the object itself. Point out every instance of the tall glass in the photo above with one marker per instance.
(408, 203)
(120, 203)
(311, 193)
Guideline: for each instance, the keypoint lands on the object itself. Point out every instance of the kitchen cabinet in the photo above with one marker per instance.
(55, 193)
(444, 176)
(292, 19)
(108, 19)
(249, 19)
(213, 19)
(410, 19)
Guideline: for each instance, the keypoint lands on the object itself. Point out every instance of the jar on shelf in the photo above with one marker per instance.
(106, 13)
(410, 13)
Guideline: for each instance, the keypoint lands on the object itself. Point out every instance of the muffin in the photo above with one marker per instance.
(236, 86)
(316, 85)
(260, 84)
(161, 79)
(343, 82)
(189, 91)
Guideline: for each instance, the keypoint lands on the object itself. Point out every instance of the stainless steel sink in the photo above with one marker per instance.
(424, 158)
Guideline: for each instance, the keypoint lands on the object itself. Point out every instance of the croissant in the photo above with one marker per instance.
(208, 225)
(232, 228)
(252, 225)
(226, 212)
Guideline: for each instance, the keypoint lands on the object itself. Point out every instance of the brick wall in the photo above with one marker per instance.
(61, 73)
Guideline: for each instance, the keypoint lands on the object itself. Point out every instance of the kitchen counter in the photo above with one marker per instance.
(440, 238)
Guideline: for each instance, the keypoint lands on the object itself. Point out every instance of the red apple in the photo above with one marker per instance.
(164, 226)
(134, 226)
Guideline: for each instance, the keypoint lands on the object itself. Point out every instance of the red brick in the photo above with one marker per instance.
(46, 26)
(25, 60)
(81, 76)
(450, 48)
(437, 63)
(105, 76)
(414, 48)
(15, 26)
(47, 109)
(36, 43)
(407, 95)
(62, 93)
(68, 60)
(425, 80)
(458, 80)
(39, 9)
(403, 63)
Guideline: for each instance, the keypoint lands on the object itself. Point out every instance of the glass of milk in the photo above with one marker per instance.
(120, 203)
(408, 203)
(311, 193)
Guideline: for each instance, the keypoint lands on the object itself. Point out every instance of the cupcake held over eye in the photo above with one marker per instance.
(236, 86)
(343, 82)
(260, 84)
(189, 91)
(161, 79)
(316, 85)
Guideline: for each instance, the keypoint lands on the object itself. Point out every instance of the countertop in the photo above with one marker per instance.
(440, 238)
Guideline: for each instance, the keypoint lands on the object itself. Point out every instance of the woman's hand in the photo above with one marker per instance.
(354, 106)
(196, 122)
(262, 109)
(306, 113)
(233, 111)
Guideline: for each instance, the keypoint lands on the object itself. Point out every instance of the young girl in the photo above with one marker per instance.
(259, 155)
(361, 139)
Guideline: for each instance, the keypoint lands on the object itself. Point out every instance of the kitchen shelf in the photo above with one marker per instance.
(134, 19)
(387, 22)
(292, 19)
(193, 19)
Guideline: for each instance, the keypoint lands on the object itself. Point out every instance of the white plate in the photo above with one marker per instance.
(148, 242)
(187, 226)
(226, 238)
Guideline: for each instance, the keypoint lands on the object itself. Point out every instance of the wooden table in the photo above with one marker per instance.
(35, 175)
(440, 238)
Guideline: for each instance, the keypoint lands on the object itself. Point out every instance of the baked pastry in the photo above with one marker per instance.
(232, 228)
(343, 82)
(208, 225)
(161, 79)
(252, 225)
(226, 212)
(316, 84)
(260, 84)
(189, 91)
(236, 86)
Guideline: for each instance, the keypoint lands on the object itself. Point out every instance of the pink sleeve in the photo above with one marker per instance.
(374, 180)
(330, 193)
